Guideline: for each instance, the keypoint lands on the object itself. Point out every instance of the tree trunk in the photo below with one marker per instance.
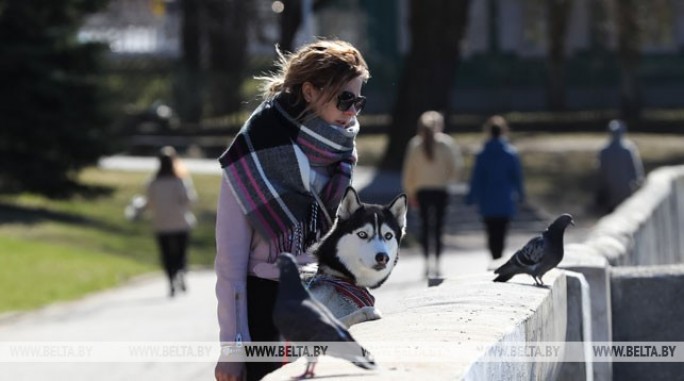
(493, 26)
(290, 20)
(558, 15)
(629, 33)
(227, 37)
(437, 28)
(598, 27)
(188, 88)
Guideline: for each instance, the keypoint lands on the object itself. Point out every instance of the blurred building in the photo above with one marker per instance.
(505, 66)
(504, 63)
(137, 27)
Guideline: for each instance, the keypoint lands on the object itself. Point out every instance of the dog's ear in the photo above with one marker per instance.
(398, 208)
(350, 203)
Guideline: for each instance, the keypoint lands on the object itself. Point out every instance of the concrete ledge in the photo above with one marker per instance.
(587, 261)
(645, 229)
(467, 311)
(647, 303)
(647, 308)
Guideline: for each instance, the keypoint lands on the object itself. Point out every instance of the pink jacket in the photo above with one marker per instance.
(239, 251)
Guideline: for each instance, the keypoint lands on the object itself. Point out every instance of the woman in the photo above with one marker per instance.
(431, 163)
(284, 175)
(169, 197)
(496, 184)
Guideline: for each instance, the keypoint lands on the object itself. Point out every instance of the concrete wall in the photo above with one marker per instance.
(475, 315)
(647, 307)
(647, 229)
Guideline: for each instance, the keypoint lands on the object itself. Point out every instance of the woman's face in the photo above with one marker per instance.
(329, 111)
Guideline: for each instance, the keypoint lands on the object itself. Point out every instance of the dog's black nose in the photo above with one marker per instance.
(382, 258)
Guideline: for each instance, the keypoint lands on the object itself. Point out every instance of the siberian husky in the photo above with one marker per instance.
(359, 252)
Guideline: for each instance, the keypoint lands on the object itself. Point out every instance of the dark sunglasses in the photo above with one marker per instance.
(347, 99)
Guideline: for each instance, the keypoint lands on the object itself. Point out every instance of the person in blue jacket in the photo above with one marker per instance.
(496, 183)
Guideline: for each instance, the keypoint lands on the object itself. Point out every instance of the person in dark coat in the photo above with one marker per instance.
(496, 184)
(620, 170)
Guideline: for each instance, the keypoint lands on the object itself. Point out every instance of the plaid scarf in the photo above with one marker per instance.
(360, 296)
(266, 176)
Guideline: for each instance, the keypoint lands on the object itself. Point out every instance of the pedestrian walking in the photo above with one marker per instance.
(496, 184)
(432, 162)
(170, 195)
(284, 176)
(620, 170)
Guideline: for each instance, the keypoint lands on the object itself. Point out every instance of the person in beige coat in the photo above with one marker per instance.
(432, 162)
(170, 195)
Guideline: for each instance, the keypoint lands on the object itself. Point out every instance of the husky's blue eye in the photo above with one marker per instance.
(362, 235)
(388, 236)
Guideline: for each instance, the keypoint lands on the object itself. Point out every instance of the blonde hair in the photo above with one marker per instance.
(430, 123)
(326, 64)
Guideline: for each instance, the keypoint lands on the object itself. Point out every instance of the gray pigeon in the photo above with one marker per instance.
(539, 255)
(300, 318)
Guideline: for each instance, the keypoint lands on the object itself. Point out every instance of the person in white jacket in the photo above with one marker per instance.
(432, 162)
(170, 195)
(284, 176)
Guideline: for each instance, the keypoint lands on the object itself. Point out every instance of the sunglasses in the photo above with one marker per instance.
(347, 99)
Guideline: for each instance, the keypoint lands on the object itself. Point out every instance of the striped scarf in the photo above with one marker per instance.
(266, 177)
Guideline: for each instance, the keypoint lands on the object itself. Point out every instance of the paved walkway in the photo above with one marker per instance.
(140, 311)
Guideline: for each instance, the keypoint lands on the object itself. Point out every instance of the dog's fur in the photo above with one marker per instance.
(361, 248)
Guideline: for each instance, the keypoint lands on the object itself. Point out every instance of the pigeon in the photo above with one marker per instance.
(300, 318)
(539, 255)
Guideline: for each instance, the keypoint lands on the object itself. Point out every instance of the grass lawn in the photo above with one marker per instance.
(37, 273)
(63, 249)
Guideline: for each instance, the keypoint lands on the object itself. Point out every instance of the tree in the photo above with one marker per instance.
(427, 79)
(53, 107)
(188, 86)
(629, 41)
(493, 26)
(558, 17)
(219, 29)
(291, 19)
(227, 22)
(226, 29)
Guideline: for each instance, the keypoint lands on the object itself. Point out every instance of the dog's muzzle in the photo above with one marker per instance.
(381, 261)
